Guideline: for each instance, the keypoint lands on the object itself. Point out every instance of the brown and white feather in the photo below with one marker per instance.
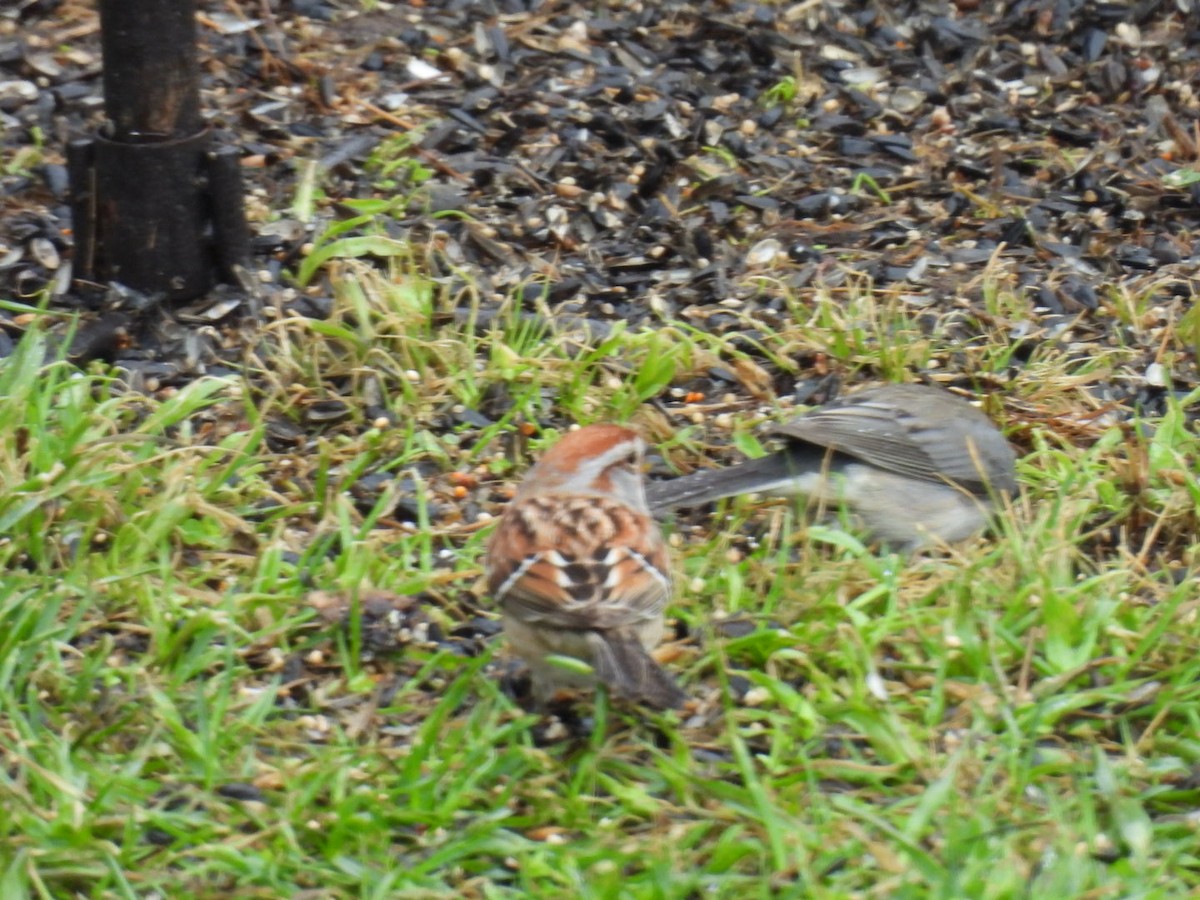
(578, 562)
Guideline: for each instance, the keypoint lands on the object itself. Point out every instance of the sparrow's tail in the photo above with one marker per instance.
(622, 663)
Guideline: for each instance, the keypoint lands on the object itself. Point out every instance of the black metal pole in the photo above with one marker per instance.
(151, 75)
(156, 209)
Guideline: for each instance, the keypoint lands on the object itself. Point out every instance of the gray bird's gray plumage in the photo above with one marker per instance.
(917, 464)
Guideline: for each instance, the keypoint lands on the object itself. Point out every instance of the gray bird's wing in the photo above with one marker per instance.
(914, 430)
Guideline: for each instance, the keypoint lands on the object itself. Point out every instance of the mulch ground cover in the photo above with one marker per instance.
(637, 162)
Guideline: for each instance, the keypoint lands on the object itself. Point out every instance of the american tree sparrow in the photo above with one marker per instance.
(580, 568)
(917, 464)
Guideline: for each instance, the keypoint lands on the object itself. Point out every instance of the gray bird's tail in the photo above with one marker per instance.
(794, 470)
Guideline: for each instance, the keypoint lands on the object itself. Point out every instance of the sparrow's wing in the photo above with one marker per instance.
(590, 565)
(579, 563)
(914, 430)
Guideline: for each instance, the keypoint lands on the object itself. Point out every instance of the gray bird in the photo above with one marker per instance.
(916, 463)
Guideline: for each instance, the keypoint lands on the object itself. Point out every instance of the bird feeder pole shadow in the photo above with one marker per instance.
(155, 207)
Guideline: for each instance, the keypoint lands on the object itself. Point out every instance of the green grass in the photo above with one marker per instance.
(1019, 717)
